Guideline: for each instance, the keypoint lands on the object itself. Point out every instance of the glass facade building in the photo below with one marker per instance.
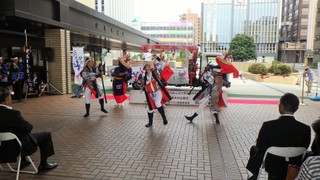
(224, 19)
(120, 10)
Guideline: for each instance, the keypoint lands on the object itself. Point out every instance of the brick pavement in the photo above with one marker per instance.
(118, 146)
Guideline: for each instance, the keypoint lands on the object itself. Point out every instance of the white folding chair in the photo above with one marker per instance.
(286, 152)
(7, 136)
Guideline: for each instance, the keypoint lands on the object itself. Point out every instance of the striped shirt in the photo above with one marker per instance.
(310, 169)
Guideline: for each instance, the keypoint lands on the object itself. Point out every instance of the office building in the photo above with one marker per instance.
(297, 31)
(175, 33)
(196, 21)
(224, 19)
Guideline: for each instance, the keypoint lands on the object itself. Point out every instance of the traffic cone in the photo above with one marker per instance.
(298, 80)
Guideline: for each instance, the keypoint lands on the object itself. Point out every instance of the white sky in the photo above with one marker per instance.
(164, 10)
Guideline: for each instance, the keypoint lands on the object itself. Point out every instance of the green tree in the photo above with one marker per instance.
(182, 54)
(243, 47)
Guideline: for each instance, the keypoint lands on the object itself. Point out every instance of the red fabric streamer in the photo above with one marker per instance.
(227, 67)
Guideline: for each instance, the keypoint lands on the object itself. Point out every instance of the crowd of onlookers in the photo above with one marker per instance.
(13, 76)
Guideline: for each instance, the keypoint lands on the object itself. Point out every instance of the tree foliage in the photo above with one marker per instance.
(243, 47)
(279, 68)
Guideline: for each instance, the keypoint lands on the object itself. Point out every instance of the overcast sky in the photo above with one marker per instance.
(164, 10)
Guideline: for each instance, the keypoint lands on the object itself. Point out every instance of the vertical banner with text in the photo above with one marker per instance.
(318, 74)
(77, 63)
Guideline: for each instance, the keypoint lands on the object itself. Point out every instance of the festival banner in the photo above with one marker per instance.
(318, 74)
(77, 63)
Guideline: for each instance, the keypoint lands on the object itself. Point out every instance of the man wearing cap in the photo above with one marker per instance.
(15, 77)
(211, 93)
(89, 75)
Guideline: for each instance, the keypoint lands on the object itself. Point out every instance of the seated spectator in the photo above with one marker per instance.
(315, 147)
(285, 131)
(310, 169)
(12, 121)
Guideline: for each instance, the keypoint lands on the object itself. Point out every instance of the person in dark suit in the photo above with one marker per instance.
(285, 131)
(12, 121)
(36, 82)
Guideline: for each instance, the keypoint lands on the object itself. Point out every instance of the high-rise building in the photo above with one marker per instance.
(120, 10)
(297, 28)
(224, 19)
(193, 18)
(175, 33)
(316, 50)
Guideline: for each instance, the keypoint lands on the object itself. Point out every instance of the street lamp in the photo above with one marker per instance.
(285, 24)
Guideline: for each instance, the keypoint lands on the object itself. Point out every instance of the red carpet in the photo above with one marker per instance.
(109, 96)
(231, 101)
(254, 101)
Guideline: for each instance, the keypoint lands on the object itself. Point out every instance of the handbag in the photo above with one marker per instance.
(292, 172)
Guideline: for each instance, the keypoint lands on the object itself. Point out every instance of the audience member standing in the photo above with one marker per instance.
(285, 131)
(16, 78)
(3, 73)
(309, 77)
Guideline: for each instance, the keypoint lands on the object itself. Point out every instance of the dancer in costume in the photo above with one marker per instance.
(163, 68)
(154, 90)
(225, 62)
(121, 78)
(89, 75)
(211, 93)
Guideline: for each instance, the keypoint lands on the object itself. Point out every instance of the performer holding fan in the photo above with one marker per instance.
(154, 90)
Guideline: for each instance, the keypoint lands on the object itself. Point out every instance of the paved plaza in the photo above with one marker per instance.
(117, 145)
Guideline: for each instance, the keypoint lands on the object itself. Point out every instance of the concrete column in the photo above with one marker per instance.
(59, 69)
